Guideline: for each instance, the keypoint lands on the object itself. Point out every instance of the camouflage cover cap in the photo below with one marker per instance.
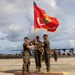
(37, 37)
(26, 38)
(45, 35)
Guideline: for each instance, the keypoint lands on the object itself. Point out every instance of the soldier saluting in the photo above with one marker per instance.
(47, 52)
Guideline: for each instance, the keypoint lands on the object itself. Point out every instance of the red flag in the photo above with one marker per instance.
(42, 20)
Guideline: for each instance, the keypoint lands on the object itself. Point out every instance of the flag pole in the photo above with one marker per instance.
(34, 23)
(34, 34)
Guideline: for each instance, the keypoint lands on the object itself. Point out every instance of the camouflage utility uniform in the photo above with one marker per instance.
(38, 54)
(26, 57)
(47, 54)
(55, 55)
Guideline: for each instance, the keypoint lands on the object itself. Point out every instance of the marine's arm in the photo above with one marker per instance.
(30, 46)
(26, 45)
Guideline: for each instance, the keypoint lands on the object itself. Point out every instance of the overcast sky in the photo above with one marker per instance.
(16, 22)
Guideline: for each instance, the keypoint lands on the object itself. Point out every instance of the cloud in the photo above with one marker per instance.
(7, 8)
(16, 21)
(68, 0)
(72, 43)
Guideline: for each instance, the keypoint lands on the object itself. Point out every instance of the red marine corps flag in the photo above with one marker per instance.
(42, 20)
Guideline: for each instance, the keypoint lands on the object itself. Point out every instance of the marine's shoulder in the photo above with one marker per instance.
(46, 40)
(25, 43)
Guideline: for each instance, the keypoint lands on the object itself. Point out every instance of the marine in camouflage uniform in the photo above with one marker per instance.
(38, 54)
(55, 55)
(26, 56)
(47, 52)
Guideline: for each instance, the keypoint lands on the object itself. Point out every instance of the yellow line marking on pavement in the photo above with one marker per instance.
(11, 74)
(65, 73)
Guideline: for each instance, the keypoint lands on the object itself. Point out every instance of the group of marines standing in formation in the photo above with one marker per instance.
(40, 48)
